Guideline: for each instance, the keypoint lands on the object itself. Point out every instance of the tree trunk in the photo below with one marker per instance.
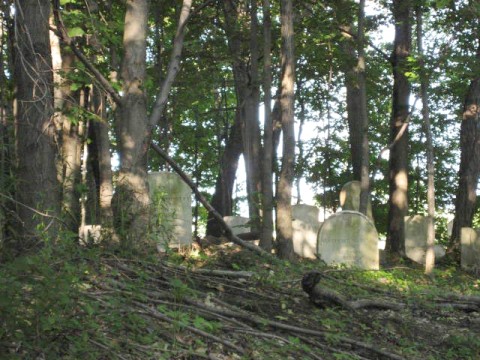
(267, 175)
(245, 70)
(222, 198)
(71, 147)
(469, 171)
(398, 165)
(37, 185)
(424, 84)
(131, 199)
(100, 151)
(284, 193)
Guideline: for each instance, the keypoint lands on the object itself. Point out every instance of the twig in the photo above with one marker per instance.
(158, 315)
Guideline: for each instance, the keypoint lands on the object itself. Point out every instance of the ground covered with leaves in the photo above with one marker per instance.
(226, 303)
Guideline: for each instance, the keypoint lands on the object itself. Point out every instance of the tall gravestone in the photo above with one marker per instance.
(305, 226)
(416, 232)
(239, 224)
(349, 238)
(470, 248)
(172, 210)
(350, 198)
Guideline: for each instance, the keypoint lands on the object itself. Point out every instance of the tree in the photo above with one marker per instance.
(430, 255)
(37, 184)
(245, 71)
(465, 201)
(267, 173)
(284, 192)
(131, 199)
(398, 164)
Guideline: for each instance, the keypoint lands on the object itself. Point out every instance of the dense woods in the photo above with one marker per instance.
(264, 104)
(85, 82)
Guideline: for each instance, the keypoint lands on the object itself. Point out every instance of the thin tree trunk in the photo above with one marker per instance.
(398, 165)
(100, 142)
(363, 119)
(424, 84)
(71, 147)
(37, 185)
(131, 199)
(267, 177)
(469, 171)
(284, 193)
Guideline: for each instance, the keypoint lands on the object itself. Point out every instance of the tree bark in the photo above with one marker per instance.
(245, 71)
(398, 165)
(71, 146)
(424, 84)
(131, 200)
(100, 151)
(466, 199)
(37, 185)
(222, 197)
(284, 193)
(266, 240)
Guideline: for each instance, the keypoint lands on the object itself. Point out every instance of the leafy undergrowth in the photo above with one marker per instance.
(228, 304)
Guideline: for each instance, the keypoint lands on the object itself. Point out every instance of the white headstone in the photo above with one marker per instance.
(239, 224)
(470, 248)
(350, 198)
(416, 232)
(172, 218)
(305, 229)
(350, 238)
(90, 234)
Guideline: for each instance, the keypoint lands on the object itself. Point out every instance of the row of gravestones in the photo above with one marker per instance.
(347, 237)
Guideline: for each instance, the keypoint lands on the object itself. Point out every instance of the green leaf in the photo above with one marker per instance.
(65, 2)
(76, 31)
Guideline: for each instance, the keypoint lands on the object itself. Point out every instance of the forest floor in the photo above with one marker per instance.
(227, 303)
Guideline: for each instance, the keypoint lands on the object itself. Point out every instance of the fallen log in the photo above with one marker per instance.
(325, 297)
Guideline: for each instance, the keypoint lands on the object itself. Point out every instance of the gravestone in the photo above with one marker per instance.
(416, 232)
(239, 224)
(172, 210)
(350, 198)
(305, 226)
(90, 234)
(470, 248)
(350, 238)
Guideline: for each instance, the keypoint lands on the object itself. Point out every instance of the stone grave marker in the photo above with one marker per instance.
(470, 248)
(350, 198)
(350, 238)
(416, 231)
(172, 210)
(305, 229)
(239, 224)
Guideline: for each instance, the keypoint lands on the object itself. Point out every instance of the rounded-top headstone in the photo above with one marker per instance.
(349, 238)
(350, 197)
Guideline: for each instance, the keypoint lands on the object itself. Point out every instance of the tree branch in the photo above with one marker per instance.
(63, 35)
(174, 64)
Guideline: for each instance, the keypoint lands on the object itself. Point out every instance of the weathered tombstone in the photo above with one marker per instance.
(416, 232)
(239, 224)
(470, 248)
(350, 198)
(89, 234)
(172, 205)
(305, 226)
(350, 238)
